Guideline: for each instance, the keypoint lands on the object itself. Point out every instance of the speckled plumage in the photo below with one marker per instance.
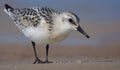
(44, 25)
(27, 17)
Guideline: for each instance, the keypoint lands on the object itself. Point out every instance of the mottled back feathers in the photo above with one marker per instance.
(27, 17)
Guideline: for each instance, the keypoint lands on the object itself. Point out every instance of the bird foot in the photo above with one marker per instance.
(38, 61)
(46, 61)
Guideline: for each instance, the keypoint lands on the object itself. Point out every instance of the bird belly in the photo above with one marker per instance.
(37, 35)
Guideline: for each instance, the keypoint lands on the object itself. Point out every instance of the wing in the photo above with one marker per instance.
(30, 17)
(25, 17)
(47, 13)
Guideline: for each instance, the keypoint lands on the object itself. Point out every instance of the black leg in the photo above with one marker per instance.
(37, 60)
(47, 49)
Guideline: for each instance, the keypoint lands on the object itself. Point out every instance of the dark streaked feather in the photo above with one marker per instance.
(8, 7)
(26, 17)
(47, 13)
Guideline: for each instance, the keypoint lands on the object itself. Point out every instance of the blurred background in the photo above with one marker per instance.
(99, 18)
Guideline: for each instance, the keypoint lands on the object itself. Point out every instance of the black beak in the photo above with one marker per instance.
(82, 31)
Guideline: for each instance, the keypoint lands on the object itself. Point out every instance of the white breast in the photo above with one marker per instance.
(58, 36)
(37, 35)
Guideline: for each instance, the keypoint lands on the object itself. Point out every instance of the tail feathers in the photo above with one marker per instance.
(7, 7)
(9, 10)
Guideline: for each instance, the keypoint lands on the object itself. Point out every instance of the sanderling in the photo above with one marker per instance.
(44, 25)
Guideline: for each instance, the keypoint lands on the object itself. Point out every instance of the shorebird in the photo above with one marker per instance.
(44, 26)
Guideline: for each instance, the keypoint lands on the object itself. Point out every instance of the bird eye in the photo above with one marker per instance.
(70, 20)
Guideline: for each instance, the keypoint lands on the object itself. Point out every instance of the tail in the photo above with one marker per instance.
(7, 7)
(9, 10)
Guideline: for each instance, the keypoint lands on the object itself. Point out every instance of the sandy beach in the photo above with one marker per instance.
(64, 66)
(20, 57)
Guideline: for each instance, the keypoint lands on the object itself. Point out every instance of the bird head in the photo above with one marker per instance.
(70, 21)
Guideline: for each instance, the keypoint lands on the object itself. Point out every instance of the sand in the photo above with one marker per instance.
(64, 66)
(20, 57)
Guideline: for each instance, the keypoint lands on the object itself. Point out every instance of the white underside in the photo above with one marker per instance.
(43, 37)
(36, 35)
